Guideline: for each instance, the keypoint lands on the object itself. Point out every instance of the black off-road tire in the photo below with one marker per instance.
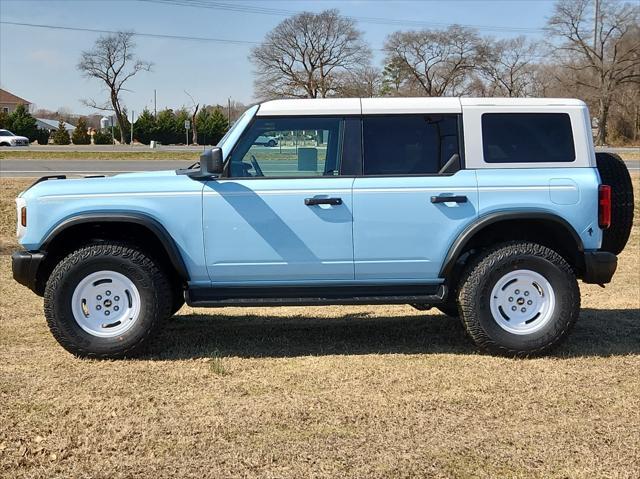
(149, 279)
(482, 275)
(614, 172)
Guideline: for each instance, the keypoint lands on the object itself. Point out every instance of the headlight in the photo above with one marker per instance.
(12, 141)
(21, 210)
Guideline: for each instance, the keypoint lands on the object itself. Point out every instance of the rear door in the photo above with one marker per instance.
(413, 199)
(283, 213)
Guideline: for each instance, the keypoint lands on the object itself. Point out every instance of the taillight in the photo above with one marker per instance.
(23, 216)
(604, 206)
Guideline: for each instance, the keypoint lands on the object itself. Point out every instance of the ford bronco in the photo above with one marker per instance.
(487, 209)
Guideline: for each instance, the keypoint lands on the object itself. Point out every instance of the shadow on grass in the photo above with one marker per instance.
(598, 333)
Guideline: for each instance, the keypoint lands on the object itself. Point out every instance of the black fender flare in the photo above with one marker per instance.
(471, 230)
(141, 219)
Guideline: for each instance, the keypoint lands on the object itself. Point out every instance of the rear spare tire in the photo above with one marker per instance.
(614, 172)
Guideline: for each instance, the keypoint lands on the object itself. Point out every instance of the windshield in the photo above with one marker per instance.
(230, 138)
(6, 133)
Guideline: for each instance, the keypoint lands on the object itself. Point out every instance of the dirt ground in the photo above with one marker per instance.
(363, 392)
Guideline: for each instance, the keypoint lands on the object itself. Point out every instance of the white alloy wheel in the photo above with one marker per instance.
(105, 304)
(522, 302)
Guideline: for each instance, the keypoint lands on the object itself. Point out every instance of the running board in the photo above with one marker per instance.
(218, 297)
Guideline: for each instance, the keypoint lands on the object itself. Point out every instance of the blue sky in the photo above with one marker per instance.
(39, 64)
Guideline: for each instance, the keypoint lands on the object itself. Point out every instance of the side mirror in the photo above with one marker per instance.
(211, 162)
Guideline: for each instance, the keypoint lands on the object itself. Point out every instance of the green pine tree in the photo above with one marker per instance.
(22, 123)
(80, 135)
(145, 128)
(61, 135)
(166, 125)
(219, 125)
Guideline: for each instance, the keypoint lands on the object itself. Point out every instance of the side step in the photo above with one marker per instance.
(313, 296)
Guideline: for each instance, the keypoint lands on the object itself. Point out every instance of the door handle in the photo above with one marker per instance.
(322, 201)
(449, 199)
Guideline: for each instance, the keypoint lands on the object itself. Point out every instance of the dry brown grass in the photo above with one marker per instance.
(321, 392)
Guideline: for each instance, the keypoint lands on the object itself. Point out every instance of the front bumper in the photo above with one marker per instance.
(25, 265)
(599, 267)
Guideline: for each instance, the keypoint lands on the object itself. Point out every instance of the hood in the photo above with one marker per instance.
(141, 182)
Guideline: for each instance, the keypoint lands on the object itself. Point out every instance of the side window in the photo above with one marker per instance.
(288, 147)
(410, 144)
(527, 138)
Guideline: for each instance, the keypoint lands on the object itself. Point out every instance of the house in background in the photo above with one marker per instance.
(9, 101)
(51, 125)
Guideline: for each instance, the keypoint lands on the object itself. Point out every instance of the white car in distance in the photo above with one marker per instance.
(9, 139)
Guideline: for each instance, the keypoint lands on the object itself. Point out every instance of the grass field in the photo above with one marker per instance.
(363, 392)
(98, 155)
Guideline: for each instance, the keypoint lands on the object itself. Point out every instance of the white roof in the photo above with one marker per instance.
(526, 102)
(397, 105)
(311, 106)
(379, 106)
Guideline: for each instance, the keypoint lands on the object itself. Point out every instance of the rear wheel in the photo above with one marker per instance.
(105, 300)
(519, 299)
(614, 172)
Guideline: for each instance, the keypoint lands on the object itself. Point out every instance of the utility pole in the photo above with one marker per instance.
(131, 142)
(229, 111)
(595, 25)
(155, 104)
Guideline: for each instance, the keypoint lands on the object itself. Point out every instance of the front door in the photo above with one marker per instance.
(282, 214)
(413, 198)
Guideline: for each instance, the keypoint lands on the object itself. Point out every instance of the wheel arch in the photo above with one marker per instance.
(138, 228)
(562, 235)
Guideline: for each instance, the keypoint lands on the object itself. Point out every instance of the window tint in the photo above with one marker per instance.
(288, 147)
(527, 138)
(409, 144)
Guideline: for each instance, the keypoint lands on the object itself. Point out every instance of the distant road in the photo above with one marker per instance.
(36, 168)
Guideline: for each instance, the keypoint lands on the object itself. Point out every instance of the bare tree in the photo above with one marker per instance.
(434, 62)
(304, 56)
(194, 114)
(365, 82)
(603, 48)
(509, 67)
(111, 60)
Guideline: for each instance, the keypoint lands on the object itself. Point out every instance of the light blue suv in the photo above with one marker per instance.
(488, 209)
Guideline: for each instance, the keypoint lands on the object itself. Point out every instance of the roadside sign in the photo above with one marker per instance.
(187, 124)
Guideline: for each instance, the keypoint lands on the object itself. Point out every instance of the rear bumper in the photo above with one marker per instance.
(599, 267)
(25, 265)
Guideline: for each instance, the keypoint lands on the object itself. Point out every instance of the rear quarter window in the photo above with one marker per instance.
(527, 138)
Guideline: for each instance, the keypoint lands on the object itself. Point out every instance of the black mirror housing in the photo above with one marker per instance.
(211, 162)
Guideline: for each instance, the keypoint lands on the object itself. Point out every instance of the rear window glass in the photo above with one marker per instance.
(527, 138)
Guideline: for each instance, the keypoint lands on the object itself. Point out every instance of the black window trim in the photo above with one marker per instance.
(411, 175)
(498, 164)
(360, 173)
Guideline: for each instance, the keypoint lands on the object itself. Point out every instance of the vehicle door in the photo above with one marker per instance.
(413, 198)
(281, 214)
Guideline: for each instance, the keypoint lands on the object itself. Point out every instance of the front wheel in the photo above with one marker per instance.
(105, 300)
(519, 299)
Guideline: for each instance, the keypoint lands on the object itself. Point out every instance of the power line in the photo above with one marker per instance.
(153, 35)
(232, 7)
(140, 34)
